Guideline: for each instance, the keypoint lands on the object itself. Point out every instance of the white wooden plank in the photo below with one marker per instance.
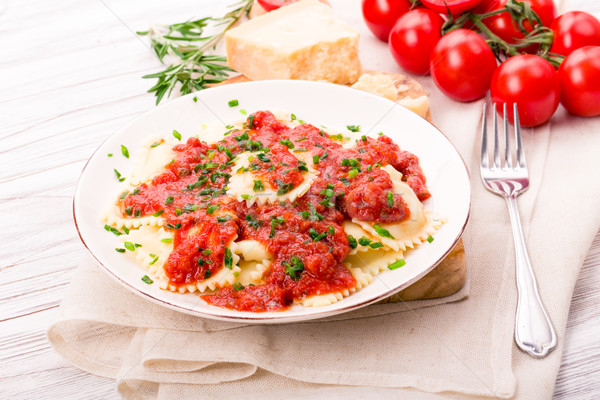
(75, 82)
(30, 369)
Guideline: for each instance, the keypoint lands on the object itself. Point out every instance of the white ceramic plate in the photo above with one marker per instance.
(333, 106)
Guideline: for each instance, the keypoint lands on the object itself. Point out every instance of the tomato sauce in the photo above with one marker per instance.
(305, 237)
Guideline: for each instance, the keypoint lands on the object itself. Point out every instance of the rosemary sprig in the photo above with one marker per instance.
(188, 47)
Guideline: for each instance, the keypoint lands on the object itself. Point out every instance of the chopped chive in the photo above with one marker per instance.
(243, 112)
(176, 134)
(147, 279)
(315, 159)
(228, 258)
(136, 192)
(118, 250)
(124, 228)
(137, 213)
(258, 186)
(228, 153)
(263, 157)
(293, 117)
(237, 286)
(363, 138)
(352, 242)
(246, 196)
(376, 245)
(224, 219)
(129, 246)
(294, 268)
(189, 207)
(118, 174)
(211, 209)
(167, 240)
(382, 231)
(207, 274)
(352, 173)
(158, 213)
(123, 195)
(110, 154)
(345, 181)
(363, 241)
(275, 221)
(106, 228)
(155, 144)
(124, 151)
(195, 99)
(315, 236)
(154, 261)
(169, 200)
(129, 210)
(397, 264)
(233, 103)
(353, 128)
(287, 142)
(207, 252)
(390, 198)
(171, 226)
(331, 230)
(430, 238)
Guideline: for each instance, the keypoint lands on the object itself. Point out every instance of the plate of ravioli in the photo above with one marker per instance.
(272, 201)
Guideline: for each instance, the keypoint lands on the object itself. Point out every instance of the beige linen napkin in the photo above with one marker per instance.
(459, 349)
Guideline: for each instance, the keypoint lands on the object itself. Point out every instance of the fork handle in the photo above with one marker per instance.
(534, 333)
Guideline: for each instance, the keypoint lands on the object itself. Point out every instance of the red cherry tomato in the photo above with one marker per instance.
(270, 5)
(579, 76)
(380, 15)
(456, 7)
(462, 65)
(503, 25)
(532, 83)
(574, 29)
(485, 6)
(413, 37)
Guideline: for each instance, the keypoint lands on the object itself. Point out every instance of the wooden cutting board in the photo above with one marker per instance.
(449, 276)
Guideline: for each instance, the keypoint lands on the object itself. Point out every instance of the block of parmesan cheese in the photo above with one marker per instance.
(301, 41)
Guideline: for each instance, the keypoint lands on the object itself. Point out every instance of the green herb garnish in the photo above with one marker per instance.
(390, 198)
(118, 174)
(228, 258)
(294, 267)
(397, 264)
(382, 231)
(258, 186)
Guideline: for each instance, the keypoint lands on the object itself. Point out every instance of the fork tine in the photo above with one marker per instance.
(496, 144)
(484, 153)
(507, 155)
(521, 162)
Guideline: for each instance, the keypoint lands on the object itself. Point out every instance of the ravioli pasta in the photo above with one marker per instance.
(270, 211)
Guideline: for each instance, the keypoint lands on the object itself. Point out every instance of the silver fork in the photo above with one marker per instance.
(534, 333)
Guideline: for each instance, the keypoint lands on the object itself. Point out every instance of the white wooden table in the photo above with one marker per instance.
(69, 77)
